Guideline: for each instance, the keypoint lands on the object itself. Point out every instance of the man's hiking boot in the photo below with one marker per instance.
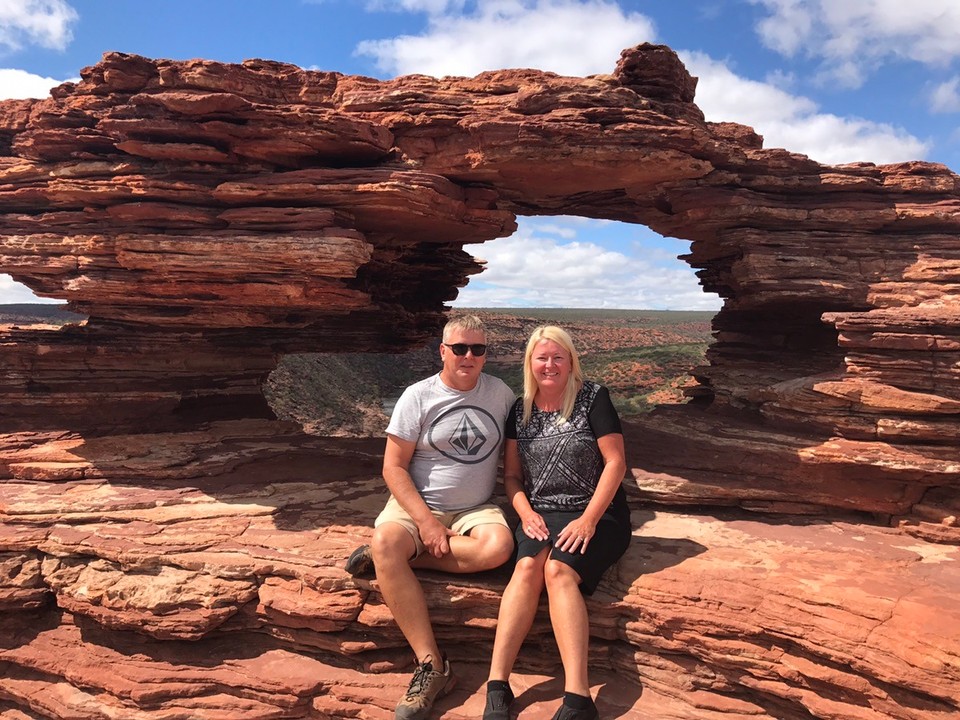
(360, 562)
(425, 687)
(499, 699)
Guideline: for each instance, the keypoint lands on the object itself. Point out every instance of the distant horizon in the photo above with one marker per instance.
(535, 309)
(62, 305)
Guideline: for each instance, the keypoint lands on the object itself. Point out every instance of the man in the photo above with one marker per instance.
(440, 465)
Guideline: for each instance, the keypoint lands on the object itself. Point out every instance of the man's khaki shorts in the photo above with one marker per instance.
(460, 521)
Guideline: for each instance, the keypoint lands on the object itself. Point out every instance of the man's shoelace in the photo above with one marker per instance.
(419, 680)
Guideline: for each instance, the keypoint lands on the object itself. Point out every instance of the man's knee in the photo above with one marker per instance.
(391, 543)
(496, 543)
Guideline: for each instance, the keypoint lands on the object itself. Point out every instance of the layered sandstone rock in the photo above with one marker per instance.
(202, 573)
(169, 550)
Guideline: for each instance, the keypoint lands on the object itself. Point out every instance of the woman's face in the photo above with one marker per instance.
(551, 365)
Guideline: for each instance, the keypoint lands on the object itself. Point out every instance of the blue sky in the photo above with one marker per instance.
(838, 80)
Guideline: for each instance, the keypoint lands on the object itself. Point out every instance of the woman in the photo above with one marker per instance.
(563, 467)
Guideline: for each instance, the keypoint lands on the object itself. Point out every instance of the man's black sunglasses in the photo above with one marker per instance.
(460, 349)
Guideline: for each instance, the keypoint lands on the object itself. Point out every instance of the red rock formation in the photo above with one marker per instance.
(208, 218)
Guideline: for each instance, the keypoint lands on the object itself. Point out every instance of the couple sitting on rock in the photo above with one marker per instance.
(563, 466)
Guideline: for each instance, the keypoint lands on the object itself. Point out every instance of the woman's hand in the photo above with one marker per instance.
(534, 526)
(576, 535)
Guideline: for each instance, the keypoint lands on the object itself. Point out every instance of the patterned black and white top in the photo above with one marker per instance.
(562, 463)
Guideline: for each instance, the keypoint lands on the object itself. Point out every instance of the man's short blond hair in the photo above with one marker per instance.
(465, 323)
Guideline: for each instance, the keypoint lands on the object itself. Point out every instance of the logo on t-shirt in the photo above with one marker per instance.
(466, 434)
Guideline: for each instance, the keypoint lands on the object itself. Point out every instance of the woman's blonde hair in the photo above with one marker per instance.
(574, 382)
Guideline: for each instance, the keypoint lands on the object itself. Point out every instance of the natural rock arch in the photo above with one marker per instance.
(209, 217)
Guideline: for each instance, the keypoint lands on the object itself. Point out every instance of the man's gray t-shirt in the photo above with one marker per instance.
(458, 435)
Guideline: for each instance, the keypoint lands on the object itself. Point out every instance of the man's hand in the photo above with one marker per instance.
(435, 536)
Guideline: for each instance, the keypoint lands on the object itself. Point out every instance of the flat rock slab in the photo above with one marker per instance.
(161, 576)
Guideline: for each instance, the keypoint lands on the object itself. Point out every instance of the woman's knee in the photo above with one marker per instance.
(559, 574)
(529, 570)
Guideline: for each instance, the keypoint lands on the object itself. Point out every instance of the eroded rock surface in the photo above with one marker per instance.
(203, 573)
(169, 550)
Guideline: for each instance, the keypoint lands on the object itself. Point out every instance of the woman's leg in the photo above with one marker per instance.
(571, 625)
(518, 607)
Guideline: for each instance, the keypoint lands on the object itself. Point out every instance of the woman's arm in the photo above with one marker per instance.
(578, 532)
(530, 520)
(614, 468)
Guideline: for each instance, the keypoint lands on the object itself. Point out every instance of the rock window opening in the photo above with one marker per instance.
(19, 306)
(640, 320)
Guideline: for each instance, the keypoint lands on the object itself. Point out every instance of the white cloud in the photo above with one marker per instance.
(945, 97)
(561, 229)
(532, 269)
(431, 7)
(569, 37)
(793, 122)
(22, 84)
(854, 38)
(788, 29)
(13, 292)
(35, 22)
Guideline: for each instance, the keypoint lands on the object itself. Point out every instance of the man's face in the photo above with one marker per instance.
(461, 371)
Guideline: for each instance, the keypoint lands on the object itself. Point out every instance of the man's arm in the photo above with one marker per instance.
(396, 473)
